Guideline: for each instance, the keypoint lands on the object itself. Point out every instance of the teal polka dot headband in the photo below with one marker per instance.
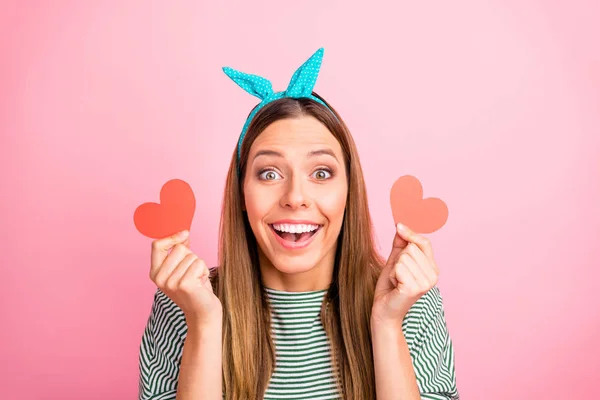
(301, 86)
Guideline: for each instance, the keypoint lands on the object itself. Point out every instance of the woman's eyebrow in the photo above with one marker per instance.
(267, 153)
(312, 153)
(319, 152)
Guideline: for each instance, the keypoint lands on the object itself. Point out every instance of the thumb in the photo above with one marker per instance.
(383, 282)
(398, 245)
(399, 241)
(206, 279)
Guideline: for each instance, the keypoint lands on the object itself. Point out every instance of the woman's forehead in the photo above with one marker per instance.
(298, 134)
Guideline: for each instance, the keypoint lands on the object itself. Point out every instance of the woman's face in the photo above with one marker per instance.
(295, 195)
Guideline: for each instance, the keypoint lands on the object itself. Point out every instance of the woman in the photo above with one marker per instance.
(302, 306)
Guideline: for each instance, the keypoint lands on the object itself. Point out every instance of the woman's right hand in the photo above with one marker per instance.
(184, 278)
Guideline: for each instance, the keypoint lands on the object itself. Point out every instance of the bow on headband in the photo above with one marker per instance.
(301, 86)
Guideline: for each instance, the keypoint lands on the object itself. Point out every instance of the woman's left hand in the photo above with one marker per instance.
(409, 273)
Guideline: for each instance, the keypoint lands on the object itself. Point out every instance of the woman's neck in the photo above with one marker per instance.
(290, 279)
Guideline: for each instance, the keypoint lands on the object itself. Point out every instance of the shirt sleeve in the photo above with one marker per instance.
(431, 347)
(161, 349)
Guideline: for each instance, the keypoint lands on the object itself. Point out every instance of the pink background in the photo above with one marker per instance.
(493, 105)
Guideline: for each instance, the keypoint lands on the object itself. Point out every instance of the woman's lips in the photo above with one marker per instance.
(294, 245)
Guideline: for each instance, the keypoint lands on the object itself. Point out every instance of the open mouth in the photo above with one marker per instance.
(305, 234)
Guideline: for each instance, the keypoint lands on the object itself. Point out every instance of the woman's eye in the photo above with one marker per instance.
(321, 174)
(268, 175)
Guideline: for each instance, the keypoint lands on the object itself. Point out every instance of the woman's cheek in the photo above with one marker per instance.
(256, 203)
(333, 202)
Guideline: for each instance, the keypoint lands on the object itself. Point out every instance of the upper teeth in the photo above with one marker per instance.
(295, 228)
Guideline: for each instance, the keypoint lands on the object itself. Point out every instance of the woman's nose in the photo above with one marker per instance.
(295, 195)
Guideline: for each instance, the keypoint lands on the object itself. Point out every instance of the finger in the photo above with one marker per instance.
(403, 276)
(197, 271)
(428, 266)
(420, 277)
(173, 280)
(178, 253)
(421, 241)
(161, 247)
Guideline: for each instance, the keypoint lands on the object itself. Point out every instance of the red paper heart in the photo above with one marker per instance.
(172, 215)
(411, 209)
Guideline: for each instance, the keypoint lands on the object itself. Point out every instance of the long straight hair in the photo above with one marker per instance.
(248, 349)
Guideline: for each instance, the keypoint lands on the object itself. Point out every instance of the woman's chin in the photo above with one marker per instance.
(293, 265)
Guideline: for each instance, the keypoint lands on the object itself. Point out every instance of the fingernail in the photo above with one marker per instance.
(184, 234)
(401, 227)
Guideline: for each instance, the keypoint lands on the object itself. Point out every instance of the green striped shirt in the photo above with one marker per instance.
(303, 368)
